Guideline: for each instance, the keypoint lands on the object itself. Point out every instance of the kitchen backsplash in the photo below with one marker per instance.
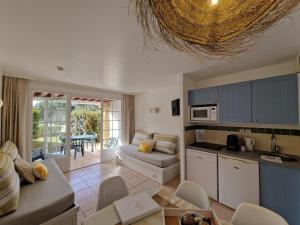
(288, 140)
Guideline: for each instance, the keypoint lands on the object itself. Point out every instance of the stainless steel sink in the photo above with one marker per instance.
(284, 157)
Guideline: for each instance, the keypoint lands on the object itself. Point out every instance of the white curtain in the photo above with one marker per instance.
(128, 123)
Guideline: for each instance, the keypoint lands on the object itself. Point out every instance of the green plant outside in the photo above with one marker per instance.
(86, 122)
(82, 122)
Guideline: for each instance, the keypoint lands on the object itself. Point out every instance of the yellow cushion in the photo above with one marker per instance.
(146, 146)
(40, 171)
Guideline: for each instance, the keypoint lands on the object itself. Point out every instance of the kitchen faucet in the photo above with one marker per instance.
(274, 147)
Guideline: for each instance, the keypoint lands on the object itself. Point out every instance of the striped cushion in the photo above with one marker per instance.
(10, 149)
(9, 185)
(141, 136)
(165, 143)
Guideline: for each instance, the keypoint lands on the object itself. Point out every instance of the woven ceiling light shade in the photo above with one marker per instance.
(214, 27)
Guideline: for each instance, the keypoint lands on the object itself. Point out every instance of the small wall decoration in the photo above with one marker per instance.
(209, 27)
(154, 110)
(175, 107)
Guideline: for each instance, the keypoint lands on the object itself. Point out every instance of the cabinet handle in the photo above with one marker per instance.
(235, 167)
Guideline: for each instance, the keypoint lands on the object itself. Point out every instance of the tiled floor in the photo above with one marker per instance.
(85, 183)
(89, 158)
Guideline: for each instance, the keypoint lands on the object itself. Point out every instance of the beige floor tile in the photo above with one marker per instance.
(90, 175)
(134, 181)
(84, 194)
(95, 189)
(76, 180)
(88, 203)
(80, 217)
(223, 212)
(133, 190)
(79, 186)
(93, 181)
(90, 211)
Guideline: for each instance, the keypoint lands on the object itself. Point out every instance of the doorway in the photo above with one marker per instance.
(86, 126)
(75, 131)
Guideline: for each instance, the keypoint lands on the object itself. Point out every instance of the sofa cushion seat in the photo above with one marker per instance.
(42, 200)
(155, 158)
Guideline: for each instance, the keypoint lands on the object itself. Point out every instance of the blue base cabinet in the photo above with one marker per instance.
(235, 103)
(280, 191)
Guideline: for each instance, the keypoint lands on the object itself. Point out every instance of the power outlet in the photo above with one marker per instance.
(242, 131)
(248, 131)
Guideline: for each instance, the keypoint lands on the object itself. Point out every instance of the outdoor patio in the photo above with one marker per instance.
(90, 158)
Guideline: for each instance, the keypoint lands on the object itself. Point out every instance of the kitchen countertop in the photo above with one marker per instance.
(254, 156)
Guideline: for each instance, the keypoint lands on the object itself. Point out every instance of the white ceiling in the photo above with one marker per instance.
(99, 45)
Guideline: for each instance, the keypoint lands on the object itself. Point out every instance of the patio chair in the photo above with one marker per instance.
(77, 146)
(112, 142)
(91, 140)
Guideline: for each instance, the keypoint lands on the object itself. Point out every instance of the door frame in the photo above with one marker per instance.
(69, 90)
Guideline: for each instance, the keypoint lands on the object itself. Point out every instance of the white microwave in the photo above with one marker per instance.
(207, 113)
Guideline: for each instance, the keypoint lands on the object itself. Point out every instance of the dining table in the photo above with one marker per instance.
(109, 215)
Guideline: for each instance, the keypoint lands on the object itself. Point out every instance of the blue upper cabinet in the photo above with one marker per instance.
(203, 96)
(235, 103)
(275, 100)
(279, 191)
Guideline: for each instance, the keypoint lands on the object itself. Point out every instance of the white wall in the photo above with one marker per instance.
(162, 122)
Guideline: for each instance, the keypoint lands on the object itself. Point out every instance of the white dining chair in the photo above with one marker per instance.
(251, 214)
(194, 194)
(110, 190)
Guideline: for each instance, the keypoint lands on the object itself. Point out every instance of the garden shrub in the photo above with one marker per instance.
(86, 122)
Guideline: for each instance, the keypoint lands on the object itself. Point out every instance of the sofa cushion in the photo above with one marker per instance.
(155, 158)
(9, 185)
(42, 200)
(165, 143)
(146, 146)
(24, 169)
(10, 149)
(141, 136)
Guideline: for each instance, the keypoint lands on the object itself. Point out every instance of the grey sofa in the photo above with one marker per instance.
(43, 201)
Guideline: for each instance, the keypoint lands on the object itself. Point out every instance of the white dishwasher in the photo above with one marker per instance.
(202, 169)
(238, 181)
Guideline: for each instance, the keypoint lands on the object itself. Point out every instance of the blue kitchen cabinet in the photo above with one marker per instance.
(280, 191)
(203, 96)
(235, 103)
(275, 100)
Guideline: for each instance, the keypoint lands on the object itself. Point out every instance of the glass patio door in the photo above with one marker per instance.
(86, 132)
(49, 129)
(111, 128)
